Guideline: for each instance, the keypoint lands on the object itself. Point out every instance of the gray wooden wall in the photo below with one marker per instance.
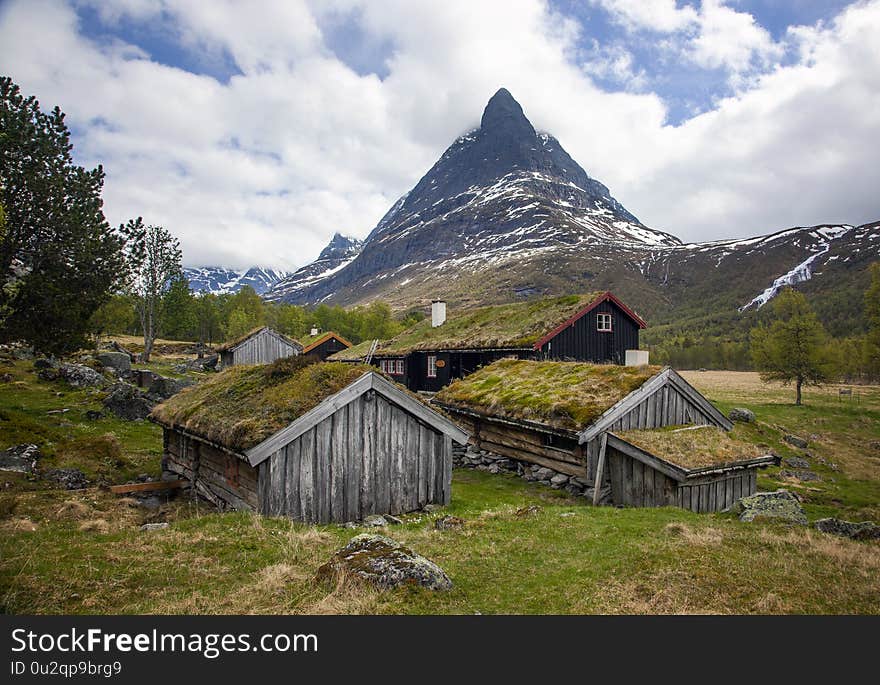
(222, 478)
(665, 407)
(635, 484)
(263, 348)
(369, 457)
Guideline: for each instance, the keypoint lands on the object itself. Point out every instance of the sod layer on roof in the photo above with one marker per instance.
(694, 447)
(566, 395)
(517, 325)
(243, 405)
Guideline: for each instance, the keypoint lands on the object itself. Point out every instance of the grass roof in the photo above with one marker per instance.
(694, 447)
(243, 405)
(353, 353)
(518, 325)
(565, 395)
(308, 340)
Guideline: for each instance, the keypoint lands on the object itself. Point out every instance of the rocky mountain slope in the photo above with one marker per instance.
(218, 280)
(340, 251)
(506, 213)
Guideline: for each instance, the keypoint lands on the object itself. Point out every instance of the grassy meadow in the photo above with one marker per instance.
(83, 552)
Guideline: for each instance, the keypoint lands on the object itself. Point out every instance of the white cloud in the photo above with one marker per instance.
(731, 39)
(265, 168)
(656, 15)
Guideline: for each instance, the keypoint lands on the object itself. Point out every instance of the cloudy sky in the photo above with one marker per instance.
(255, 130)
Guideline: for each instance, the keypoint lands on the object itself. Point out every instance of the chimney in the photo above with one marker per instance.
(636, 357)
(438, 313)
(314, 331)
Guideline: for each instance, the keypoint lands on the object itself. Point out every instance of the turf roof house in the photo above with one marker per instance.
(322, 345)
(261, 346)
(609, 425)
(595, 327)
(320, 443)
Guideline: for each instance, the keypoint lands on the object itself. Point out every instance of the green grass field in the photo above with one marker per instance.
(83, 552)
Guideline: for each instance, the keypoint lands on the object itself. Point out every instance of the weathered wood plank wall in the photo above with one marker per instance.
(635, 484)
(262, 348)
(369, 457)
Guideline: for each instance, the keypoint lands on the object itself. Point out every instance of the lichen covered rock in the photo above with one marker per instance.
(385, 563)
(118, 361)
(127, 402)
(741, 414)
(866, 530)
(80, 376)
(780, 505)
(20, 458)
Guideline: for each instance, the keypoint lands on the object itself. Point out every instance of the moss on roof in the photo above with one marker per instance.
(694, 447)
(243, 405)
(518, 325)
(309, 340)
(353, 353)
(565, 395)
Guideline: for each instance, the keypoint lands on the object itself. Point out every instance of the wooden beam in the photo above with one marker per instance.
(597, 482)
(148, 487)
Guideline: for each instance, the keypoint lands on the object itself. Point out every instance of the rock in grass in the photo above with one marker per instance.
(80, 376)
(795, 441)
(375, 521)
(154, 526)
(20, 458)
(118, 361)
(127, 402)
(449, 523)
(530, 510)
(866, 530)
(742, 415)
(385, 563)
(800, 475)
(71, 479)
(797, 463)
(780, 505)
(163, 388)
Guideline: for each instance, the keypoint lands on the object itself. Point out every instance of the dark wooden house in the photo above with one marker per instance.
(321, 346)
(327, 443)
(595, 327)
(261, 346)
(573, 419)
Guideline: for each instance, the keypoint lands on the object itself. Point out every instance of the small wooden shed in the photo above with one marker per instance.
(701, 468)
(326, 442)
(261, 346)
(562, 416)
(323, 345)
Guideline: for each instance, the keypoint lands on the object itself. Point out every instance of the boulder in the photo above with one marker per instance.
(127, 402)
(385, 563)
(80, 376)
(449, 523)
(20, 458)
(797, 463)
(800, 475)
(742, 415)
(45, 363)
(866, 530)
(118, 361)
(71, 479)
(544, 473)
(154, 526)
(559, 480)
(375, 521)
(163, 388)
(795, 441)
(780, 505)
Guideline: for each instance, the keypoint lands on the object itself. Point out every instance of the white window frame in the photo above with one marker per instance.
(604, 322)
(399, 365)
(432, 366)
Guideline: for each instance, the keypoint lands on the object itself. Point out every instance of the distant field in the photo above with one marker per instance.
(83, 552)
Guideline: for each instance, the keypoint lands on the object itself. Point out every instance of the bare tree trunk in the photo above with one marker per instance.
(798, 386)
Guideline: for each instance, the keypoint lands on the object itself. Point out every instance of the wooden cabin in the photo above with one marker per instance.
(261, 346)
(564, 415)
(317, 442)
(594, 327)
(321, 346)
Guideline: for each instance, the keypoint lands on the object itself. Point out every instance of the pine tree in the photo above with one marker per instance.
(872, 316)
(792, 348)
(59, 259)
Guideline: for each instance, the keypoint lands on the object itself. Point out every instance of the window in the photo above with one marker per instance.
(432, 366)
(603, 322)
(393, 367)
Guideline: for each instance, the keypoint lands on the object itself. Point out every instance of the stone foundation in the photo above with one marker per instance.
(483, 460)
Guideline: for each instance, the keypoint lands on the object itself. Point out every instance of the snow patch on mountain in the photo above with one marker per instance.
(220, 281)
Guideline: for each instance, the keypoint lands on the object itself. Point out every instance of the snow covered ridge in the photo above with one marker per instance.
(801, 272)
(219, 280)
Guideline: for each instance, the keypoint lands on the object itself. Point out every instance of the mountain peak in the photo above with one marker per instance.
(503, 114)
